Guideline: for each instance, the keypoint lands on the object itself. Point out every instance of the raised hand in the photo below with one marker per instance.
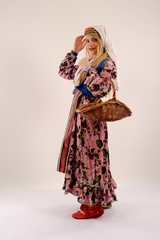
(84, 62)
(79, 44)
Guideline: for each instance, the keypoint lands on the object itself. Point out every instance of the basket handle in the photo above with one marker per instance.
(113, 87)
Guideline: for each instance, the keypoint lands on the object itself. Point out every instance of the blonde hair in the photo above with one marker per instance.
(100, 47)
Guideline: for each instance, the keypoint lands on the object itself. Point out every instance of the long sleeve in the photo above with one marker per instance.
(67, 68)
(97, 83)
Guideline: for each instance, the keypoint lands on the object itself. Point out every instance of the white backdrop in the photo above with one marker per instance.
(35, 100)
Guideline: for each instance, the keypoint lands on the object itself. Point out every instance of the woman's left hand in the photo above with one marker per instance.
(84, 62)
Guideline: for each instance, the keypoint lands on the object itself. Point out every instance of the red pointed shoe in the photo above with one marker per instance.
(87, 211)
(80, 215)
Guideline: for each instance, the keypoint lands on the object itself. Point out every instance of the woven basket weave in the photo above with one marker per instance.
(110, 110)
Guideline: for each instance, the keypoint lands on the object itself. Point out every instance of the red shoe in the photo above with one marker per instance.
(80, 215)
(97, 210)
(87, 211)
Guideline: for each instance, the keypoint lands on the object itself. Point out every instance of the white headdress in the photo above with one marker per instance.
(109, 47)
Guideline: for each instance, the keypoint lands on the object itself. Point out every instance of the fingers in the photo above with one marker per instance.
(84, 62)
(81, 39)
(79, 43)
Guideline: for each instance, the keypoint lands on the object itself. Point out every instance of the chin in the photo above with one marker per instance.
(92, 53)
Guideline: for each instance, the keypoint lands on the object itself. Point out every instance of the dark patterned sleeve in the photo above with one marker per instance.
(97, 83)
(67, 68)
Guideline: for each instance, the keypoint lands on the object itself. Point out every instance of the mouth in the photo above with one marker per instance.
(92, 49)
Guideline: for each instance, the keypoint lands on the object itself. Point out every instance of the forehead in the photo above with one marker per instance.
(90, 37)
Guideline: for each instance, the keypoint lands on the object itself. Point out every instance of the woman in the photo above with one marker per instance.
(84, 156)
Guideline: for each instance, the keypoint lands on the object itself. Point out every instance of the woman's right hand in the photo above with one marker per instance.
(79, 44)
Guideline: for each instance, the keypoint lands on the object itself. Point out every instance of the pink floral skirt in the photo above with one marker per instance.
(87, 171)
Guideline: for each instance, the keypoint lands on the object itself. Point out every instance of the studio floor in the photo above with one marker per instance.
(45, 214)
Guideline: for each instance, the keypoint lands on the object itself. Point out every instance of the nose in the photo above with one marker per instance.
(90, 44)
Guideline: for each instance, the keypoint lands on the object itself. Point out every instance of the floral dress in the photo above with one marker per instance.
(87, 163)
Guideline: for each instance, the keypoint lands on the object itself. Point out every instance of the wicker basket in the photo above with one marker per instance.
(110, 110)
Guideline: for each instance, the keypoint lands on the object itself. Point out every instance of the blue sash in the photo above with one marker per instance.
(82, 87)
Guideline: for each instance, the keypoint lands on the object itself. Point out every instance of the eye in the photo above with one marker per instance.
(94, 39)
(86, 40)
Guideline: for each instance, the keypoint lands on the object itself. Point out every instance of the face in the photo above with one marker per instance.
(91, 45)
